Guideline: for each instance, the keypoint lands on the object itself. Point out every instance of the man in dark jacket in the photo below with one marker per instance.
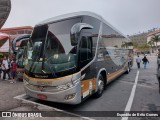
(145, 61)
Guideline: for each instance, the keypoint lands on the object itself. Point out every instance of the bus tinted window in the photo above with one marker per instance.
(52, 51)
(85, 48)
(94, 32)
(113, 42)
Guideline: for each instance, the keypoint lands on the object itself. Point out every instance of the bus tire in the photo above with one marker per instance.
(128, 70)
(101, 86)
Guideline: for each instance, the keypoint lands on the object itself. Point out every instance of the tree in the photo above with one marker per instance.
(151, 43)
(130, 43)
(156, 39)
(135, 45)
(127, 44)
(143, 47)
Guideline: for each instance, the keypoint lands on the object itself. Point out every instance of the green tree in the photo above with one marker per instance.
(135, 45)
(127, 44)
(156, 39)
(143, 47)
(151, 44)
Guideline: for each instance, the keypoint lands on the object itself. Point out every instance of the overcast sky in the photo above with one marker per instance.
(128, 16)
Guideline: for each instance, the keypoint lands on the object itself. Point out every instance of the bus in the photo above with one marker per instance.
(19, 47)
(74, 56)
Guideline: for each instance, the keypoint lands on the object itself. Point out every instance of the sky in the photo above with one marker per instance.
(128, 16)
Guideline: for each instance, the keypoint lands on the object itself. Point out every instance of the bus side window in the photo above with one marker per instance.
(85, 50)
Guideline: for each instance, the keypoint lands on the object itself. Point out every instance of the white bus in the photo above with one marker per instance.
(19, 46)
(74, 56)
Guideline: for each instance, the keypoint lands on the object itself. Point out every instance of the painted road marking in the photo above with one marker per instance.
(130, 100)
(144, 86)
(23, 98)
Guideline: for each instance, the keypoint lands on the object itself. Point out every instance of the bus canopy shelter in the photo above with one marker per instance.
(4, 43)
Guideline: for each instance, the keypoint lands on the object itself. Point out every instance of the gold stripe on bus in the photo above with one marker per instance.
(114, 74)
(47, 79)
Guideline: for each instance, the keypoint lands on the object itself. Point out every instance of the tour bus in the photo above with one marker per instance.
(19, 47)
(74, 56)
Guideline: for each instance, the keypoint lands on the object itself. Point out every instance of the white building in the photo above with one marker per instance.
(149, 38)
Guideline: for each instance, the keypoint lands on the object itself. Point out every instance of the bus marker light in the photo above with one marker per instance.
(41, 96)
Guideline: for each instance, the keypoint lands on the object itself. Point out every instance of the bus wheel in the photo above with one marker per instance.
(128, 70)
(100, 86)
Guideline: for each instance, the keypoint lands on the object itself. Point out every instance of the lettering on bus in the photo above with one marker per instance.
(41, 76)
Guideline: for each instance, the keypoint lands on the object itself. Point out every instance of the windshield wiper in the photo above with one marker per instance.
(43, 71)
(43, 60)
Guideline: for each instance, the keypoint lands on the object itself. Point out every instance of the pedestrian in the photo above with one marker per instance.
(138, 61)
(145, 61)
(5, 68)
(0, 67)
(9, 62)
(13, 70)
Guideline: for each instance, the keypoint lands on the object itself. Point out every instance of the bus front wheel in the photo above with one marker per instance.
(128, 70)
(100, 86)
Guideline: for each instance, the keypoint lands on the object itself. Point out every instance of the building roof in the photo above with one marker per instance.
(154, 32)
(15, 28)
(3, 36)
(5, 8)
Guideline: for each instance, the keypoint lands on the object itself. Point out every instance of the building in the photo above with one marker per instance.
(151, 34)
(5, 8)
(15, 31)
(140, 42)
(139, 39)
(8, 34)
(149, 38)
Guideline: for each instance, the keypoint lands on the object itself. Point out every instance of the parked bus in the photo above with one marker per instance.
(72, 57)
(19, 48)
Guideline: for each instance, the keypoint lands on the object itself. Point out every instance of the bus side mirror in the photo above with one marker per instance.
(19, 38)
(75, 32)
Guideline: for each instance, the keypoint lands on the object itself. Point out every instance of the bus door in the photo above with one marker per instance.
(86, 65)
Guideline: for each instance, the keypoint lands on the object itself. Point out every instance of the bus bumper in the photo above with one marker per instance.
(69, 96)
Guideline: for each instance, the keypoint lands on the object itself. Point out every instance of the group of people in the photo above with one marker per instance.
(145, 61)
(8, 67)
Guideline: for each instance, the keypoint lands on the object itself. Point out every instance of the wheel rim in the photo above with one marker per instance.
(100, 86)
(128, 70)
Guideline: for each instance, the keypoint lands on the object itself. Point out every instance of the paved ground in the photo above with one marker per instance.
(7, 92)
(115, 97)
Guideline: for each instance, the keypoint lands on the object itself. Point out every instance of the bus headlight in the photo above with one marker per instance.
(65, 86)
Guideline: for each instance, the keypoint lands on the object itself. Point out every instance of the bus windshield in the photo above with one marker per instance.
(50, 50)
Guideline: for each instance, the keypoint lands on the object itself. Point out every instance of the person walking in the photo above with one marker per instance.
(5, 68)
(13, 70)
(145, 61)
(138, 61)
(0, 67)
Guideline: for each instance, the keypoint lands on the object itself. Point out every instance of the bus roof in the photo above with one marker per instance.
(77, 14)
